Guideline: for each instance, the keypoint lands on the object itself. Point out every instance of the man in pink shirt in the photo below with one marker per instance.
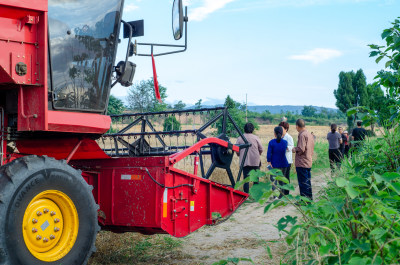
(253, 160)
(303, 161)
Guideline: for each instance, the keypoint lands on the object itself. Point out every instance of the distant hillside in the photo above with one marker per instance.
(283, 108)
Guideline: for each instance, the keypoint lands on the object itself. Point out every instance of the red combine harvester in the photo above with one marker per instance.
(63, 172)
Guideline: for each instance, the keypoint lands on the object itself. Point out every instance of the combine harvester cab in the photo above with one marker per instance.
(150, 183)
(63, 171)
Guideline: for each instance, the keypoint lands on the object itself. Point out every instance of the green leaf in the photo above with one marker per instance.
(351, 111)
(273, 205)
(373, 53)
(358, 261)
(388, 63)
(389, 176)
(371, 219)
(265, 197)
(275, 172)
(378, 177)
(257, 191)
(284, 221)
(396, 187)
(341, 182)
(288, 187)
(378, 232)
(357, 181)
(379, 58)
(283, 179)
(351, 191)
(324, 250)
(362, 245)
(386, 33)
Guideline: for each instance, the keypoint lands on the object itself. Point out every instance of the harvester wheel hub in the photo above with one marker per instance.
(50, 225)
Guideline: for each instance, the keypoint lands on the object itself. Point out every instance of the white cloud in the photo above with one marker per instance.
(206, 7)
(130, 7)
(317, 55)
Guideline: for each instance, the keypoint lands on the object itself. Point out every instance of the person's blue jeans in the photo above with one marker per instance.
(304, 179)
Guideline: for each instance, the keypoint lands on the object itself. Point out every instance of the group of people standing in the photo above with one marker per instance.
(280, 155)
(340, 142)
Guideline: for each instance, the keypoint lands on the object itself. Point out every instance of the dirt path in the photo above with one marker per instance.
(244, 235)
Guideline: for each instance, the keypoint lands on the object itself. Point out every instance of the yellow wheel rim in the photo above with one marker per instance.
(50, 225)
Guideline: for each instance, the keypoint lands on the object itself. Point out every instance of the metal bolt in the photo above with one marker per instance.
(39, 213)
(38, 237)
(186, 215)
(34, 221)
(45, 240)
(56, 229)
(56, 220)
(52, 237)
(34, 230)
(45, 210)
(52, 213)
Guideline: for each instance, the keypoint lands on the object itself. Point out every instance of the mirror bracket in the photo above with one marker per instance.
(152, 45)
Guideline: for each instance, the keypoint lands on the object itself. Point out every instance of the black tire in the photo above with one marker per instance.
(23, 179)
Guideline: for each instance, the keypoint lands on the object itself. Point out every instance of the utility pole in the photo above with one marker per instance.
(246, 107)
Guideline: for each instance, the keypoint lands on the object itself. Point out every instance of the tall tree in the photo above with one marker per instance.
(198, 104)
(360, 89)
(180, 105)
(345, 94)
(141, 97)
(115, 105)
(308, 111)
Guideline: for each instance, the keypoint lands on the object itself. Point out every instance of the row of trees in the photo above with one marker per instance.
(353, 91)
(141, 98)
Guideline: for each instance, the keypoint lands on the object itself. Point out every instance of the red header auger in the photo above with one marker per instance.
(68, 169)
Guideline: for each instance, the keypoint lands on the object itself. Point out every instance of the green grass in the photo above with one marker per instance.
(321, 157)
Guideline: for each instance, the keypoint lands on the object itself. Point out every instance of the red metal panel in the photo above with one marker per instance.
(61, 148)
(40, 5)
(131, 201)
(78, 122)
(23, 40)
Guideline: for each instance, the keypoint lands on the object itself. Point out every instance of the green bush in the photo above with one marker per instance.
(171, 124)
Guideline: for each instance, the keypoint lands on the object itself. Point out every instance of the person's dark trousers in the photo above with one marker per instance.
(334, 158)
(246, 171)
(278, 182)
(346, 150)
(342, 152)
(304, 179)
(286, 174)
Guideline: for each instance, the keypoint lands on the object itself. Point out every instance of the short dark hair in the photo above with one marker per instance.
(300, 123)
(285, 125)
(359, 123)
(249, 127)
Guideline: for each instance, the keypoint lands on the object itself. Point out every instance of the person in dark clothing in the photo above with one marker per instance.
(334, 139)
(358, 135)
(343, 144)
(346, 143)
(276, 154)
(253, 161)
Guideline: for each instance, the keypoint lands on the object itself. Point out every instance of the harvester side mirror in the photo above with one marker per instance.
(177, 19)
(125, 73)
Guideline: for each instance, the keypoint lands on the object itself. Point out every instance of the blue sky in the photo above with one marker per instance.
(279, 52)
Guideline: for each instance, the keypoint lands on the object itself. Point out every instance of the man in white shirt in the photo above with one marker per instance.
(289, 158)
